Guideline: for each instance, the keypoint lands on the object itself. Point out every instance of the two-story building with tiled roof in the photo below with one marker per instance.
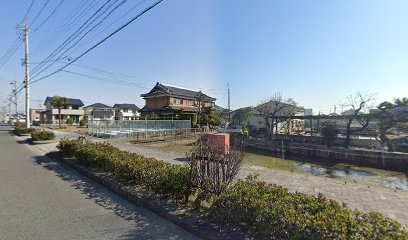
(167, 99)
(73, 110)
(126, 111)
(99, 111)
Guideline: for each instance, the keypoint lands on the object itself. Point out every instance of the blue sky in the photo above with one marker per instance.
(317, 52)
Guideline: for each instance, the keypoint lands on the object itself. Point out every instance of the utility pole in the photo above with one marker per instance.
(14, 83)
(27, 76)
(229, 105)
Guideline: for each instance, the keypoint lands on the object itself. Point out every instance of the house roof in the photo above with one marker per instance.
(102, 114)
(161, 88)
(98, 105)
(71, 101)
(170, 108)
(126, 106)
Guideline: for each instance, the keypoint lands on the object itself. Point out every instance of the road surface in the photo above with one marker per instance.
(44, 199)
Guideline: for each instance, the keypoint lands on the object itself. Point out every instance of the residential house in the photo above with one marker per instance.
(99, 111)
(167, 99)
(35, 114)
(257, 121)
(73, 110)
(126, 111)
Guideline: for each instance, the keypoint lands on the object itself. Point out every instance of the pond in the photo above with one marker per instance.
(340, 171)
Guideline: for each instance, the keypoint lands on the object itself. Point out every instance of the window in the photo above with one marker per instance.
(178, 101)
(190, 102)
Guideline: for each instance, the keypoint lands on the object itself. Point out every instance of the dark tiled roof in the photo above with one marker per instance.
(170, 108)
(126, 106)
(161, 88)
(71, 101)
(98, 105)
(102, 114)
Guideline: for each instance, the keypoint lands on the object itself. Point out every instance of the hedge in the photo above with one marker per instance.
(268, 211)
(155, 175)
(23, 130)
(261, 210)
(42, 135)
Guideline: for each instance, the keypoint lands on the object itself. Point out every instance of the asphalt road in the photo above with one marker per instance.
(43, 199)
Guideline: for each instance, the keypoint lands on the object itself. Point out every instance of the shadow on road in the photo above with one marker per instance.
(148, 225)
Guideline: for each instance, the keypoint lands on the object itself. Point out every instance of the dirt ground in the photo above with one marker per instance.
(180, 147)
(74, 129)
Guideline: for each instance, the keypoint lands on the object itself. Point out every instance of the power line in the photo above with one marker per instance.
(85, 34)
(105, 80)
(115, 21)
(16, 44)
(66, 25)
(27, 12)
(49, 16)
(100, 42)
(39, 12)
(73, 35)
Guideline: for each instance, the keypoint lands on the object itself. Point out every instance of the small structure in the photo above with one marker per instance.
(219, 142)
(73, 110)
(126, 111)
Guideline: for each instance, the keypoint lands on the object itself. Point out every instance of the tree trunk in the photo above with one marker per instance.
(59, 117)
(268, 127)
(348, 133)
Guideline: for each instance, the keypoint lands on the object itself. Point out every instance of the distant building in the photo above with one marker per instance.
(348, 112)
(308, 112)
(167, 99)
(126, 111)
(99, 111)
(73, 110)
(257, 121)
(35, 114)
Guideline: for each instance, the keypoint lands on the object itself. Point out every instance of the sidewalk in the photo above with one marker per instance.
(391, 203)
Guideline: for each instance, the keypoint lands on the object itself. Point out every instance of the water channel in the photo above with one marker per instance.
(324, 168)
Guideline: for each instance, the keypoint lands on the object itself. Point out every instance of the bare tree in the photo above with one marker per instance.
(274, 107)
(212, 168)
(358, 104)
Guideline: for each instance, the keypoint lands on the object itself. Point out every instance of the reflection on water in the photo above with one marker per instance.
(345, 172)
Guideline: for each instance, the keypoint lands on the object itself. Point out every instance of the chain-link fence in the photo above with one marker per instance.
(108, 129)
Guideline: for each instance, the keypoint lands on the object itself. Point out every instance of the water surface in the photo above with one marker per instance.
(340, 171)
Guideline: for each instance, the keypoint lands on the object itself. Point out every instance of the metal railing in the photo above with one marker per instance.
(109, 128)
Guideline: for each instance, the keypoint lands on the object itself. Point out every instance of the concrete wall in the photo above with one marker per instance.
(367, 158)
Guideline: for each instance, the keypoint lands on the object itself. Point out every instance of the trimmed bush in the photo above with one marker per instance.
(83, 122)
(268, 211)
(42, 135)
(70, 121)
(23, 130)
(155, 175)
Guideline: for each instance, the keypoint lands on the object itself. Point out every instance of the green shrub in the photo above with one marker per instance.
(70, 121)
(160, 177)
(42, 135)
(23, 130)
(83, 122)
(262, 210)
(269, 211)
